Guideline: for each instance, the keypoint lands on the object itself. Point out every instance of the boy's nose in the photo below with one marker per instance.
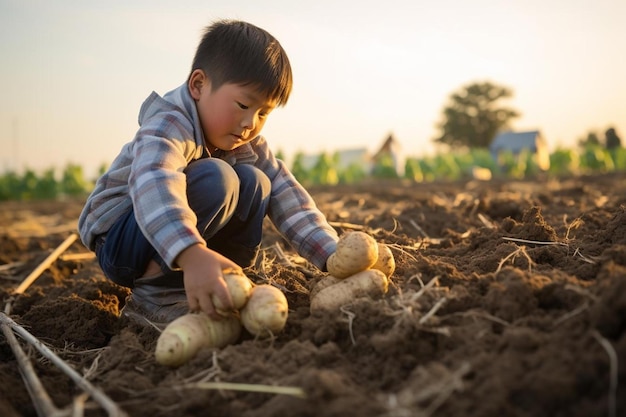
(247, 123)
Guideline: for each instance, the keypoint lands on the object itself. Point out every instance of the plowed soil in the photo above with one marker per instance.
(509, 299)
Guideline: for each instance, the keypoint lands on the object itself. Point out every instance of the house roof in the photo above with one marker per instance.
(516, 141)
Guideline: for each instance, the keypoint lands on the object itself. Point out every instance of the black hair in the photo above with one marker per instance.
(241, 53)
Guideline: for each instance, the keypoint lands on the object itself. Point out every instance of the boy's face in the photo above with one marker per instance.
(230, 116)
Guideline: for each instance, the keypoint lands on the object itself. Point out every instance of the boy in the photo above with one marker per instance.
(186, 198)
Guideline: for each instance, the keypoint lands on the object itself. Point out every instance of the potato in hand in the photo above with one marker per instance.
(356, 252)
(239, 286)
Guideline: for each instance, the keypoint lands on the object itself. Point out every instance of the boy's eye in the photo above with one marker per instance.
(242, 106)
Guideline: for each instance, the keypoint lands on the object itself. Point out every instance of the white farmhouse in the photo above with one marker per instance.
(516, 142)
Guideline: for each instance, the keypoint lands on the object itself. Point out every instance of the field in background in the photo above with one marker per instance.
(474, 164)
(508, 299)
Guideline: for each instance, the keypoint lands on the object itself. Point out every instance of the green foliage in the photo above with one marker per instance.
(298, 170)
(618, 155)
(47, 187)
(595, 158)
(73, 181)
(474, 116)
(31, 186)
(385, 167)
(564, 161)
(324, 171)
(413, 170)
(10, 187)
(449, 166)
(352, 174)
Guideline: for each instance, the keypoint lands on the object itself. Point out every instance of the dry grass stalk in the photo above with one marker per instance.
(536, 242)
(100, 397)
(419, 229)
(351, 317)
(78, 405)
(407, 402)
(344, 225)
(584, 258)
(480, 314)
(513, 255)
(486, 221)
(433, 310)
(581, 291)
(77, 256)
(405, 306)
(573, 225)
(32, 277)
(447, 388)
(613, 371)
(207, 374)
(9, 266)
(38, 394)
(570, 314)
(267, 389)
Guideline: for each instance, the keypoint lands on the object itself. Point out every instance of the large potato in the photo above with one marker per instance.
(184, 337)
(356, 252)
(266, 311)
(369, 283)
(385, 262)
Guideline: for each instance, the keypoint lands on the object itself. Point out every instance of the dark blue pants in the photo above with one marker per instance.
(230, 204)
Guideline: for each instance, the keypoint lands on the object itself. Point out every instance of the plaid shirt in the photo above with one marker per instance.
(148, 176)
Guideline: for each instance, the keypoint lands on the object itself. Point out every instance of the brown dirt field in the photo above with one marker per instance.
(474, 324)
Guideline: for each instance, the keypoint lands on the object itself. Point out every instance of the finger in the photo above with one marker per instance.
(207, 306)
(194, 305)
(221, 293)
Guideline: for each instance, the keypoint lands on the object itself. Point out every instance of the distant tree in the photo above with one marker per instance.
(611, 140)
(73, 181)
(591, 140)
(280, 155)
(47, 187)
(29, 185)
(474, 116)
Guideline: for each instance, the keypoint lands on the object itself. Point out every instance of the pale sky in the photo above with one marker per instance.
(74, 73)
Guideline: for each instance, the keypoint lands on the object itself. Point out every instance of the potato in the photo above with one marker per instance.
(185, 336)
(369, 283)
(356, 252)
(239, 287)
(385, 262)
(327, 281)
(266, 311)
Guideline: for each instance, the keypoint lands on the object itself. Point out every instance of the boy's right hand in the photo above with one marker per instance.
(202, 272)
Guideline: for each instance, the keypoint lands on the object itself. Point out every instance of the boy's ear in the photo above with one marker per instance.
(197, 81)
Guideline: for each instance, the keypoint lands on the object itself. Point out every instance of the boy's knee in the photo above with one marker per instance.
(251, 176)
(213, 173)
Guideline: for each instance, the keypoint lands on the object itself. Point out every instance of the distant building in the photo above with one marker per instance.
(362, 158)
(516, 142)
(390, 149)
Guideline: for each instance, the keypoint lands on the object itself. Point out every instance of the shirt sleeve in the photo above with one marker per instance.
(293, 211)
(157, 185)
